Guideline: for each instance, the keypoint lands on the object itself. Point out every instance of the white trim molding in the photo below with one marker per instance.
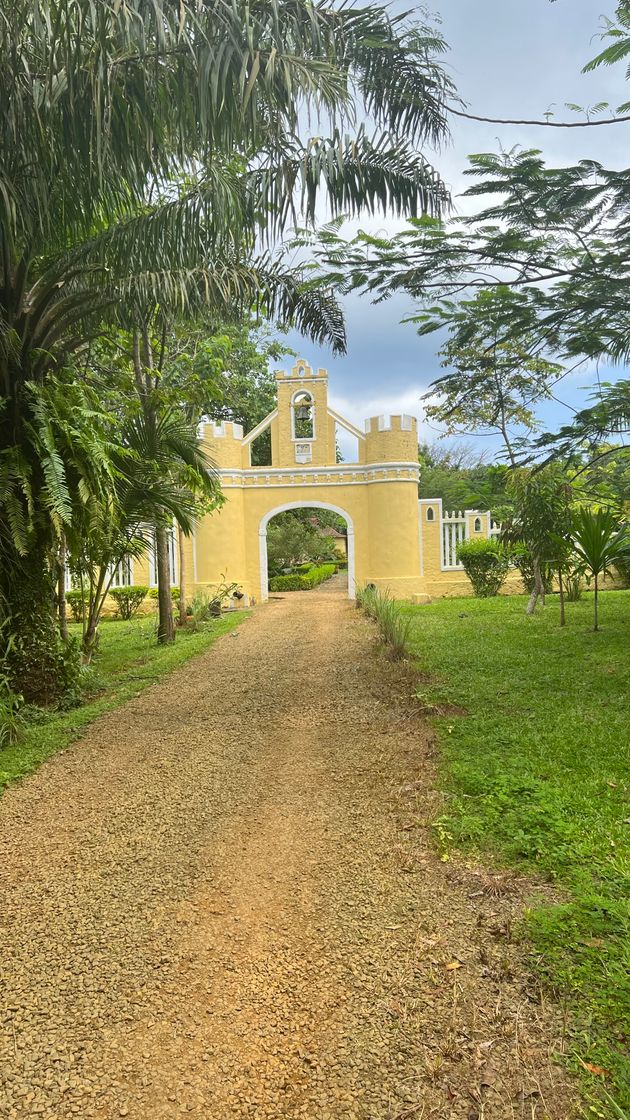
(262, 541)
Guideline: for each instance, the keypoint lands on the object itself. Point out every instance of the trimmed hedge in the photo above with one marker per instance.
(303, 582)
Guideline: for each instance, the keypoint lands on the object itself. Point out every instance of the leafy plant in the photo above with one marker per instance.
(128, 599)
(600, 542)
(208, 604)
(77, 603)
(486, 563)
(11, 702)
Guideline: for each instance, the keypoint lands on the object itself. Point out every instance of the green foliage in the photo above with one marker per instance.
(208, 604)
(122, 221)
(305, 582)
(523, 559)
(153, 593)
(293, 540)
(461, 478)
(600, 543)
(486, 563)
(393, 624)
(77, 602)
(232, 371)
(622, 568)
(536, 773)
(541, 520)
(493, 382)
(11, 702)
(128, 599)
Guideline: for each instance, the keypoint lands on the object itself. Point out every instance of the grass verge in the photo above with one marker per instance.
(537, 773)
(128, 661)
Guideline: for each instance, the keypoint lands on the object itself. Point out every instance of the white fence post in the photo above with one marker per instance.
(494, 527)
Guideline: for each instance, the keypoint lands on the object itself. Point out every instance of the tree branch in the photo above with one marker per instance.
(538, 123)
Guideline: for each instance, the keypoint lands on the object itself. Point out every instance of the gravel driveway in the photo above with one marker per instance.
(223, 902)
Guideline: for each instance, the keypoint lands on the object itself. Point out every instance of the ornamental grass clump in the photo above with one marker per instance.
(486, 563)
(392, 624)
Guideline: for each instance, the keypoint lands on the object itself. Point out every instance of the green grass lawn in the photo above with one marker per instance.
(537, 773)
(128, 661)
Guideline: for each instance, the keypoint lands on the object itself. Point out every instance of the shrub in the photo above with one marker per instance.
(486, 563)
(153, 593)
(11, 702)
(77, 603)
(128, 599)
(303, 582)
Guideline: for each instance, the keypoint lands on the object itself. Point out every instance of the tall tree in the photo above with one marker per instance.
(493, 383)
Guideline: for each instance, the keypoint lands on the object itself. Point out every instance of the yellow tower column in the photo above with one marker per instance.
(392, 487)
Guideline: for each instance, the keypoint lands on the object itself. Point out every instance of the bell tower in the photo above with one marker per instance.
(303, 433)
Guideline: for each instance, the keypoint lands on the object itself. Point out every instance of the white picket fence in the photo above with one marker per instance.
(455, 530)
(453, 533)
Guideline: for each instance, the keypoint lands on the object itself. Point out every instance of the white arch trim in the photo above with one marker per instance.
(262, 539)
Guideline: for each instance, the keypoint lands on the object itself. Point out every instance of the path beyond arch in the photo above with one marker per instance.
(223, 903)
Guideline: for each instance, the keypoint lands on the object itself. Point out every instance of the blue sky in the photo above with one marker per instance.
(508, 58)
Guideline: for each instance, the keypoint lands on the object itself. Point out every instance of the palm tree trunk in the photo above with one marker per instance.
(182, 578)
(61, 591)
(34, 661)
(166, 622)
(596, 626)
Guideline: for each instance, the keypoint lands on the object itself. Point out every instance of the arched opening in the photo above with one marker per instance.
(304, 508)
(302, 415)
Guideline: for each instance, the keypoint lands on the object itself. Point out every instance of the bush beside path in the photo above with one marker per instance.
(224, 901)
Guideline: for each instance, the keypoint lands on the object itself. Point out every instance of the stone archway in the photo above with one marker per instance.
(310, 504)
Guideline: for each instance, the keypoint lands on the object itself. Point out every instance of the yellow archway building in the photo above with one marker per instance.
(402, 544)
(377, 495)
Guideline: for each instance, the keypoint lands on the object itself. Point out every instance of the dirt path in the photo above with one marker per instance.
(223, 903)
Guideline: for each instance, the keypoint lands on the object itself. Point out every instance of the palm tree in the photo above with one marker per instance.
(599, 541)
(161, 475)
(149, 150)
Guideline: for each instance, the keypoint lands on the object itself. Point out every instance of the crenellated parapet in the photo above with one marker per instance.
(223, 443)
(391, 439)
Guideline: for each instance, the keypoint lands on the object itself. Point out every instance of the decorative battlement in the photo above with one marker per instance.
(396, 423)
(225, 429)
(301, 372)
